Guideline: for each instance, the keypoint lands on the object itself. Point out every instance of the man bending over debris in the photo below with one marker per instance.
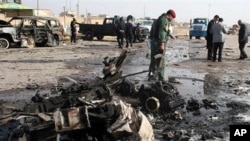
(158, 35)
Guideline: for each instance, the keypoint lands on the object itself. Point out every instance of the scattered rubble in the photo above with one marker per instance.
(89, 107)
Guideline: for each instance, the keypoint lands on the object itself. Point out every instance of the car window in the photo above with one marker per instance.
(41, 23)
(28, 23)
(109, 21)
(54, 23)
(15, 22)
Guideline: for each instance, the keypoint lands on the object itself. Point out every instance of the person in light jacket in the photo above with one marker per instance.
(218, 31)
(209, 37)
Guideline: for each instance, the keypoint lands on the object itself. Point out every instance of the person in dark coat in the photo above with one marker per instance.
(242, 39)
(120, 32)
(73, 30)
(137, 33)
(209, 37)
(129, 31)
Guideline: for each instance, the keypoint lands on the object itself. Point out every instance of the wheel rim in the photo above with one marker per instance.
(89, 35)
(4, 43)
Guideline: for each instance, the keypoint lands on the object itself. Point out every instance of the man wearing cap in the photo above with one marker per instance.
(209, 37)
(159, 36)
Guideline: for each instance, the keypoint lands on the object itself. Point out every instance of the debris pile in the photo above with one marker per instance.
(87, 110)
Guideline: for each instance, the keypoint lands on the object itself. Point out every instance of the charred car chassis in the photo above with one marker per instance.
(31, 31)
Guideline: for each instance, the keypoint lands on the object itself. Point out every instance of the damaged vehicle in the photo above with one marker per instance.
(31, 31)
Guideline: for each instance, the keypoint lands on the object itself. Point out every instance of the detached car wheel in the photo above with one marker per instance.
(4, 43)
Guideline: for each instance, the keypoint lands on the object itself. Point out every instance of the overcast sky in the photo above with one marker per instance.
(229, 10)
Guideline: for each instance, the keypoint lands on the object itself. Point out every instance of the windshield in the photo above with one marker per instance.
(15, 22)
(199, 21)
(147, 22)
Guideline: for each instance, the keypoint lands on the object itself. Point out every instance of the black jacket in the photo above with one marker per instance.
(243, 36)
(129, 29)
(210, 35)
(121, 27)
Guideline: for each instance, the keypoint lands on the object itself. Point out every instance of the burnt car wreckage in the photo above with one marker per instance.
(31, 31)
(91, 110)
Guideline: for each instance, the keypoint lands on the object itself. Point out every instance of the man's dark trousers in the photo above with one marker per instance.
(216, 46)
(242, 50)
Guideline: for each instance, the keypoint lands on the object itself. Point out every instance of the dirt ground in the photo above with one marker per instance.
(197, 77)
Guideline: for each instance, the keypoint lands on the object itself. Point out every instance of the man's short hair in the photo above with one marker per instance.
(216, 16)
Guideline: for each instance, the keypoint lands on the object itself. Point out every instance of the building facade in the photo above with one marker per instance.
(11, 1)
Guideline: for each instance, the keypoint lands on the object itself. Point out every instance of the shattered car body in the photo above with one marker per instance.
(31, 31)
(87, 110)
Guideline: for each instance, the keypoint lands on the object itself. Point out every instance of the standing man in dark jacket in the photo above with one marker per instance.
(242, 39)
(159, 36)
(73, 30)
(210, 37)
(129, 31)
(120, 32)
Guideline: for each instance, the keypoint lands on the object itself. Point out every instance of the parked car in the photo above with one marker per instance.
(141, 34)
(145, 23)
(31, 31)
(108, 28)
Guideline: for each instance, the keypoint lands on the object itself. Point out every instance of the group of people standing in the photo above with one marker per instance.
(216, 38)
(125, 31)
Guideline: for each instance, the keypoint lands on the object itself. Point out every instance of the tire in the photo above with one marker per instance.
(100, 37)
(4, 43)
(142, 39)
(197, 37)
(89, 35)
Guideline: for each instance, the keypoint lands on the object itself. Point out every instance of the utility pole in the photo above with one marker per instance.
(144, 11)
(70, 5)
(64, 16)
(66, 4)
(37, 7)
(77, 6)
(209, 5)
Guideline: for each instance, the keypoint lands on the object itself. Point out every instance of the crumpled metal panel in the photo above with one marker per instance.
(71, 119)
(134, 122)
